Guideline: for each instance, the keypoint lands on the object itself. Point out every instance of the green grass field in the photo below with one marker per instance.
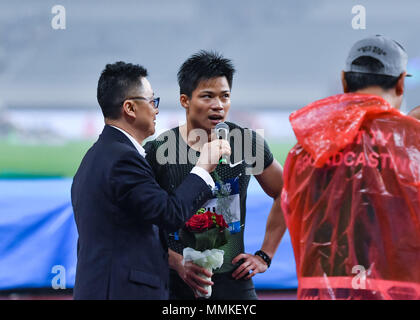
(41, 160)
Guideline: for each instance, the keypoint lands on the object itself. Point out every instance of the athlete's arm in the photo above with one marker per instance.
(271, 180)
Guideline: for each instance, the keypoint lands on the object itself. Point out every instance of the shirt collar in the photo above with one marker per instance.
(139, 148)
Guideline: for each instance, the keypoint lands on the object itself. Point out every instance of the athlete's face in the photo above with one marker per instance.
(209, 103)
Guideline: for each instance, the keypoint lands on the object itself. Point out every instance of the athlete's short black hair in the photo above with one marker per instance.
(113, 85)
(203, 65)
(358, 81)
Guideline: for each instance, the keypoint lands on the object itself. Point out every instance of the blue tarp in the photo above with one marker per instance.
(37, 233)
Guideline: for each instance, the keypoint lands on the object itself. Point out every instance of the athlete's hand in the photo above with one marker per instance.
(252, 263)
(189, 272)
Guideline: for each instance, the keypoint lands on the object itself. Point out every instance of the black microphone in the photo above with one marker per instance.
(222, 132)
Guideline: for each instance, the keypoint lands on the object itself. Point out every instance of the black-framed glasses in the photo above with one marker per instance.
(153, 101)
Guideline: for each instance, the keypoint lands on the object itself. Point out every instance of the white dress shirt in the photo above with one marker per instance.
(203, 174)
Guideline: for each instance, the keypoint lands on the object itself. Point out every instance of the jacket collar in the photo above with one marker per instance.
(123, 137)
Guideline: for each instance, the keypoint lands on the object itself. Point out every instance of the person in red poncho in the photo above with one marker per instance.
(351, 193)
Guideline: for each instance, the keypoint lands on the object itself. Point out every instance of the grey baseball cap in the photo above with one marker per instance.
(389, 52)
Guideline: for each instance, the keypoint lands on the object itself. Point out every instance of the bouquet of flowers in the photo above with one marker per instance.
(202, 235)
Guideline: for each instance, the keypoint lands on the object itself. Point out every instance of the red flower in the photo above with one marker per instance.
(203, 221)
(199, 222)
(205, 230)
(220, 221)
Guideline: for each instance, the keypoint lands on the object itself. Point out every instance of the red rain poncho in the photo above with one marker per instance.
(351, 199)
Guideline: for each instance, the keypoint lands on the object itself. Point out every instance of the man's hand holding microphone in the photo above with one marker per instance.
(212, 152)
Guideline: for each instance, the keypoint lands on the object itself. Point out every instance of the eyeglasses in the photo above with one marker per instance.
(153, 101)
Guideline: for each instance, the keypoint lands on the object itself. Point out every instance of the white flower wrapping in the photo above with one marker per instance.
(208, 259)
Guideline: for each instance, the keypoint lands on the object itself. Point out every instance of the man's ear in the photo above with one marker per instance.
(129, 109)
(399, 88)
(185, 101)
(344, 83)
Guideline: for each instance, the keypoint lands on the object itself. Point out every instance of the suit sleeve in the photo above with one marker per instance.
(139, 195)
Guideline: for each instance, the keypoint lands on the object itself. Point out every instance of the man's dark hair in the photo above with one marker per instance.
(358, 81)
(203, 65)
(115, 82)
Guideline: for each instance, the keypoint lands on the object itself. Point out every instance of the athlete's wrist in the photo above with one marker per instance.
(264, 256)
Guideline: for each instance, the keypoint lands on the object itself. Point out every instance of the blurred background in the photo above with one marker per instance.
(287, 54)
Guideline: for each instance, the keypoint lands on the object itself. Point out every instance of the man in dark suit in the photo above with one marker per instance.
(119, 208)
